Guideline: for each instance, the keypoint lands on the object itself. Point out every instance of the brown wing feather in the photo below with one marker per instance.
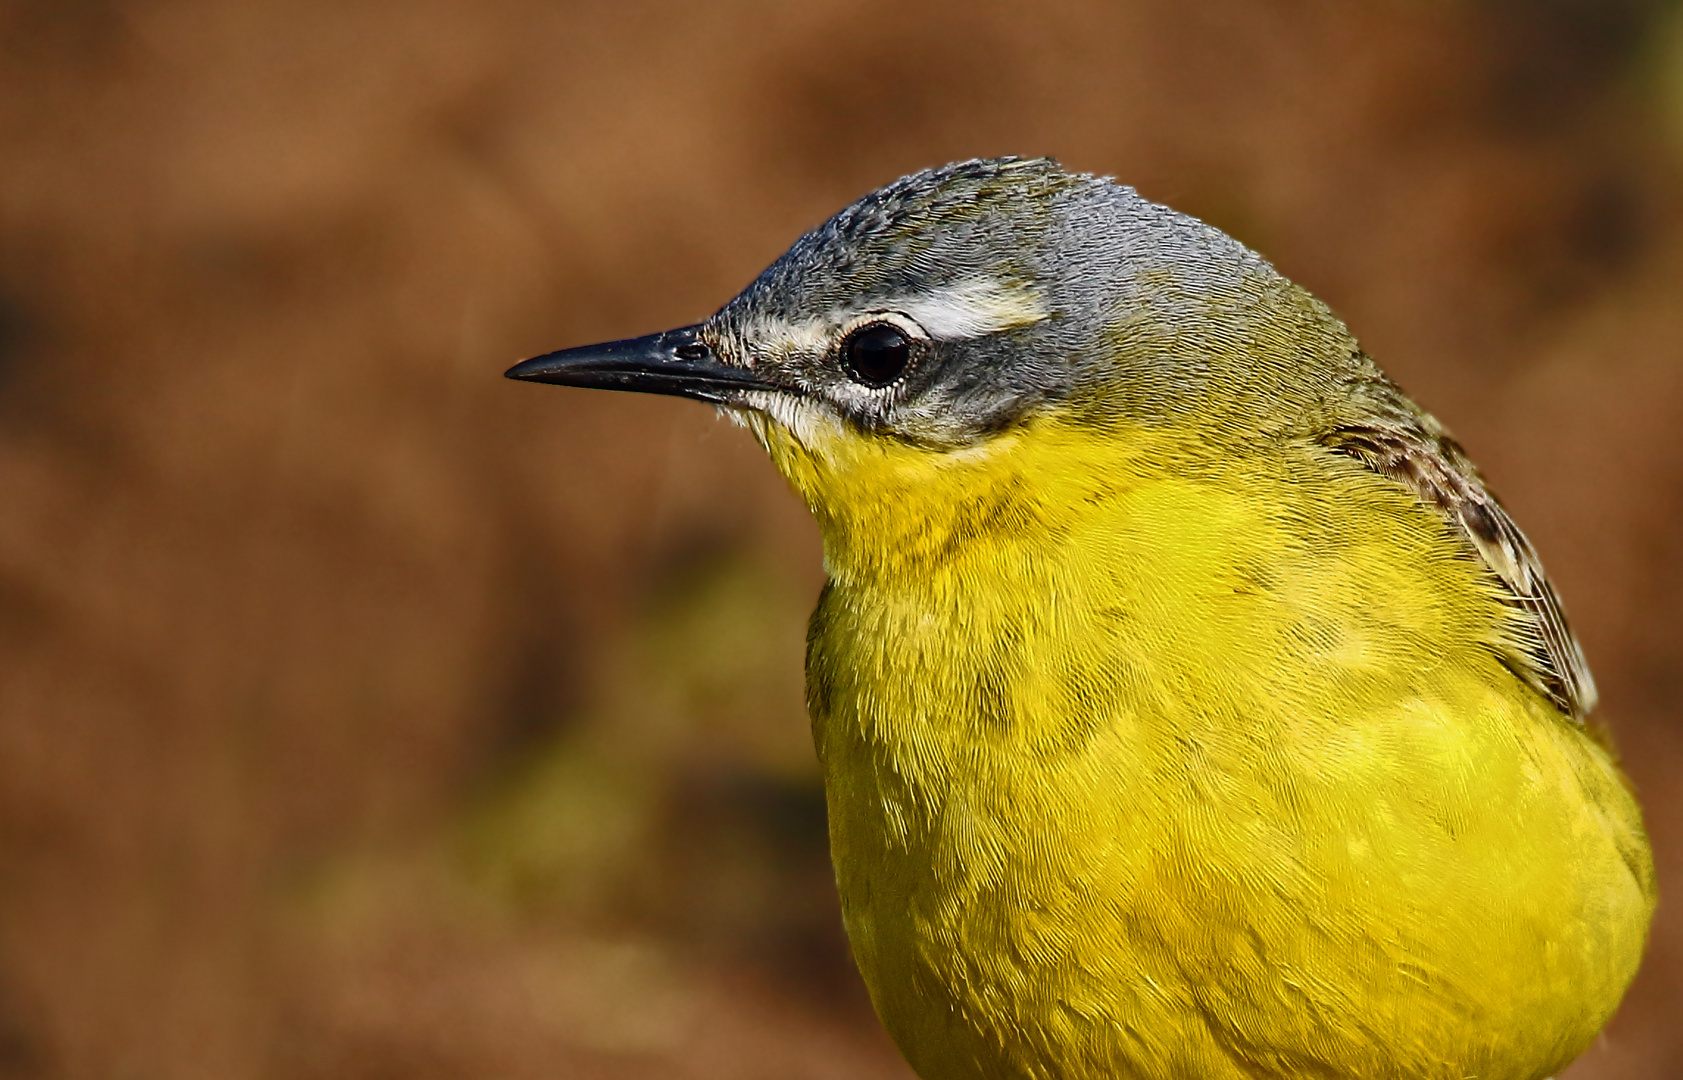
(1408, 445)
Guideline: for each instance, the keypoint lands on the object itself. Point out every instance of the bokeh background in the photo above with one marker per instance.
(363, 715)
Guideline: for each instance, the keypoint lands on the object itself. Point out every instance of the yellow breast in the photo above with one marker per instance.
(1145, 761)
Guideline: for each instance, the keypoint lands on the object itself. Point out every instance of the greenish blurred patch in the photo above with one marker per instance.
(685, 795)
(1662, 72)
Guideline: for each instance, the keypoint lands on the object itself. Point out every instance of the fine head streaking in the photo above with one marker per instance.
(947, 307)
(952, 303)
(1187, 705)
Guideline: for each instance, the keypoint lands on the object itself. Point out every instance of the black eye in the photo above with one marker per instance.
(877, 354)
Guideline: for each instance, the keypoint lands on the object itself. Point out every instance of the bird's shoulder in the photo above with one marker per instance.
(1397, 439)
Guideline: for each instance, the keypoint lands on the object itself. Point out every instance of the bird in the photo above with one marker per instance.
(1187, 706)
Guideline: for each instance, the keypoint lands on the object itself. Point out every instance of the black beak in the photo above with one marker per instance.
(675, 362)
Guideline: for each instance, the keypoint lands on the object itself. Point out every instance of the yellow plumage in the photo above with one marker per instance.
(1188, 709)
(1146, 761)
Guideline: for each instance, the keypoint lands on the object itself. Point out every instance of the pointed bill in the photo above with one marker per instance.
(676, 362)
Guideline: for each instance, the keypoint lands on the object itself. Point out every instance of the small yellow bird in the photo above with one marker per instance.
(1188, 708)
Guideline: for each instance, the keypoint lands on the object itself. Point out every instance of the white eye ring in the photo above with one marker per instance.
(899, 320)
(859, 368)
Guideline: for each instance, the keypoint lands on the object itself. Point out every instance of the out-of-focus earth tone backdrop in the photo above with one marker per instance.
(364, 715)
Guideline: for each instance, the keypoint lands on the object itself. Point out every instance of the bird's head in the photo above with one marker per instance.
(959, 307)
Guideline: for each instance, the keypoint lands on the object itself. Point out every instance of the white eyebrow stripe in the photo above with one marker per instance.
(809, 337)
(972, 308)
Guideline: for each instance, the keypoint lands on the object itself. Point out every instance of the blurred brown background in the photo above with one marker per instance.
(364, 715)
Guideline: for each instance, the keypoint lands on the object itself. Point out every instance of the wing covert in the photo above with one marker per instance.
(1408, 445)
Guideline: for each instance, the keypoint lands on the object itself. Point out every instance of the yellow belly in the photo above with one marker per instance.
(1208, 772)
